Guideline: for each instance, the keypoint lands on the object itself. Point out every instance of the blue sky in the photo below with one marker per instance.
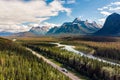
(84, 9)
(21, 15)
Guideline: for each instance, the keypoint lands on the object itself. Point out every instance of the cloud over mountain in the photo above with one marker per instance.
(110, 8)
(16, 12)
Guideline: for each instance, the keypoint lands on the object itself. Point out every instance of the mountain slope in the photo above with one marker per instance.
(39, 30)
(111, 26)
(17, 63)
(24, 34)
(34, 31)
(76, 27)
(52, 30)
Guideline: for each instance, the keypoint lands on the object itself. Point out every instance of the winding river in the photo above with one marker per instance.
(72, 49)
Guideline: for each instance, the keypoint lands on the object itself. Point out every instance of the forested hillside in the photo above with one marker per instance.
(16, 63)
(96, 70)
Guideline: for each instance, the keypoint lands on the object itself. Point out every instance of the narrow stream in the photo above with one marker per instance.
(71, 49)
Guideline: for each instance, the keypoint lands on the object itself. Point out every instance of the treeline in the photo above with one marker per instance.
(110, 53)
(110, 50)
(92, 38)
(16, 63)
(94, 69)
(105, 47)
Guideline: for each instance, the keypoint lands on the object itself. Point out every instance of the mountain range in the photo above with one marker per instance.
(34, 31)
(76, 27)
(111, 27)
(39, 30)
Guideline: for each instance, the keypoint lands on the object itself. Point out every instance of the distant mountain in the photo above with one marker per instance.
(34, 31)
(111, 25)
(3, 33)
(39, 30)
(53, 30)
(24, 34)
(76, 27)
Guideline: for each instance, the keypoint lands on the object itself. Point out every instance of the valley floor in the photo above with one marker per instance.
(69, 74)
(94, 69)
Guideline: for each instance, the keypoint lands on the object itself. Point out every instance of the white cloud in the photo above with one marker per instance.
(111, 8)
(50, 24)
(15, 12)
(114, 9)
(115, 3)
(71, 1)
(105, 7)
(14, 28)
(67, 1)
(105, 13)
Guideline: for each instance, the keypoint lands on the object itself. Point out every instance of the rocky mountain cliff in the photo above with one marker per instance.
(111, 25)
(39, 30)
(76, 27)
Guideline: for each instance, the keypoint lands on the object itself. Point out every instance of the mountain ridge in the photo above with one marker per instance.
(76, 27)
(111, 25)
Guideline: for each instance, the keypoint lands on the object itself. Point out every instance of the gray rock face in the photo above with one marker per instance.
(111, 26)
(39, 30)
(76, 27)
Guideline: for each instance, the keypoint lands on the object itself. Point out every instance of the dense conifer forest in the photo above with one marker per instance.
(16, 63)
(96, 70)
